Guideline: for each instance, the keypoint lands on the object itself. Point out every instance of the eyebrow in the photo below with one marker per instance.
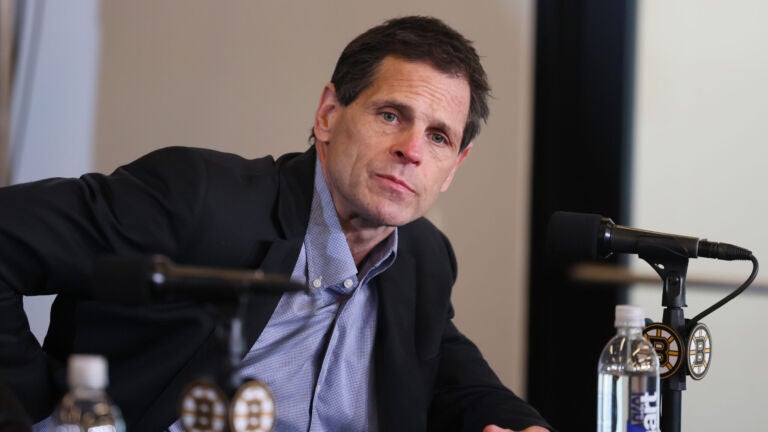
(408, 112)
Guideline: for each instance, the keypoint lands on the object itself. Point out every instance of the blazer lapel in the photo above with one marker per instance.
(280, 259)
(396, 362)
(294, 201)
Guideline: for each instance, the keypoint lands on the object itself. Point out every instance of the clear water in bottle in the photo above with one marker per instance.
(86, 407)
(629, 397)
(86, 410)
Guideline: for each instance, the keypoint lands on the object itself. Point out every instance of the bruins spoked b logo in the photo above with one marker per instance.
(253, 408)
(205, 408)
(668, 345)
(699, 351)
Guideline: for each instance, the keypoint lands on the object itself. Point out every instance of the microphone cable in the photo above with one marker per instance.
(755, 268)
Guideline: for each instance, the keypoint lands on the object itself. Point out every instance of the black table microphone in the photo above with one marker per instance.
(585, 235)
(144, 280)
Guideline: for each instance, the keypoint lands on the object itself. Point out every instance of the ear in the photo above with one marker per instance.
(463, 155)
(329, 105)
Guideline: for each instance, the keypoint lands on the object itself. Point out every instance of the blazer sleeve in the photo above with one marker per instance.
(468, 395)
(52, 230)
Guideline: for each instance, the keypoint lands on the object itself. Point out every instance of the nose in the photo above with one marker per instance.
(409, 148)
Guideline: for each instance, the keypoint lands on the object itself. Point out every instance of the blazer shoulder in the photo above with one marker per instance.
(429, 246)
(421, 230)
(194, 158)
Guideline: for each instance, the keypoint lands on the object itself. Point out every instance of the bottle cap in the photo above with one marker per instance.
(629, 316)
(86, 370)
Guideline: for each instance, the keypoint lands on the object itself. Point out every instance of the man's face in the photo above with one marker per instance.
(389, 154)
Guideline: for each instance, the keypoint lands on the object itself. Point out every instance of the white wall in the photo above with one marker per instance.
(52, 119)
(700, 152)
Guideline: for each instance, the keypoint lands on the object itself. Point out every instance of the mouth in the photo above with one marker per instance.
(396, 183)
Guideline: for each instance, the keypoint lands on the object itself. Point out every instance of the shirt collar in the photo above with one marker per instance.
(329, 260)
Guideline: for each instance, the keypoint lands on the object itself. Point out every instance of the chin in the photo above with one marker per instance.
(392, 215)
(396, 219)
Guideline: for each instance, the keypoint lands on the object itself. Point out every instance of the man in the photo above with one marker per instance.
(371, 347)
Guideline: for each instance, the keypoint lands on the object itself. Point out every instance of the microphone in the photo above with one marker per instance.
(145, 280)
(585, 235)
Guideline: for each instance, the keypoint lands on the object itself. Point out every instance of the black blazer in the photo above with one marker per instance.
(201, 207)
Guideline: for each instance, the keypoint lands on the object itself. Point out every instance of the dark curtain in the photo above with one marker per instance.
(583, 123)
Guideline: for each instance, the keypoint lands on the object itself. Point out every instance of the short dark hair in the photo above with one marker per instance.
(420, 39)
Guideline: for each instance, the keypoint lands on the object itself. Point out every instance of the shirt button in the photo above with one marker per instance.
(348, 283)
(317, 283)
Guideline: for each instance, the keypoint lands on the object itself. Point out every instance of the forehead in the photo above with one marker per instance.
(423, 87)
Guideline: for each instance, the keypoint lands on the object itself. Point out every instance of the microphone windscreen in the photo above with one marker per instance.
(123, 280)
(574, 235)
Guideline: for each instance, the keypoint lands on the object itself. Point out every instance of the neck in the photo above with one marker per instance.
(362, 240)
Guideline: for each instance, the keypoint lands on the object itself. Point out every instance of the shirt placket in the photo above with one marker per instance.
(337, 332)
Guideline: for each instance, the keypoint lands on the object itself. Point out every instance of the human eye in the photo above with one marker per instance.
(388, 117)
(438, 138)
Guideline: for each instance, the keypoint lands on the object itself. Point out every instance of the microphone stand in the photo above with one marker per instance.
(229, 333)
(672, 266)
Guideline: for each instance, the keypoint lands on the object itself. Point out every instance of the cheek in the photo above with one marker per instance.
(444, 178)
(346, 166)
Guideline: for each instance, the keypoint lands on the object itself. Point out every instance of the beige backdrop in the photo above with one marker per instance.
(699, 169)
(245, 77)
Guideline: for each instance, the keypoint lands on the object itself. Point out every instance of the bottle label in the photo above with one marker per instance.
(643, 412)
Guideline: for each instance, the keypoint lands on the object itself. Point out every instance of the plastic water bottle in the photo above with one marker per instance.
(629, 399)
(86, 407)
